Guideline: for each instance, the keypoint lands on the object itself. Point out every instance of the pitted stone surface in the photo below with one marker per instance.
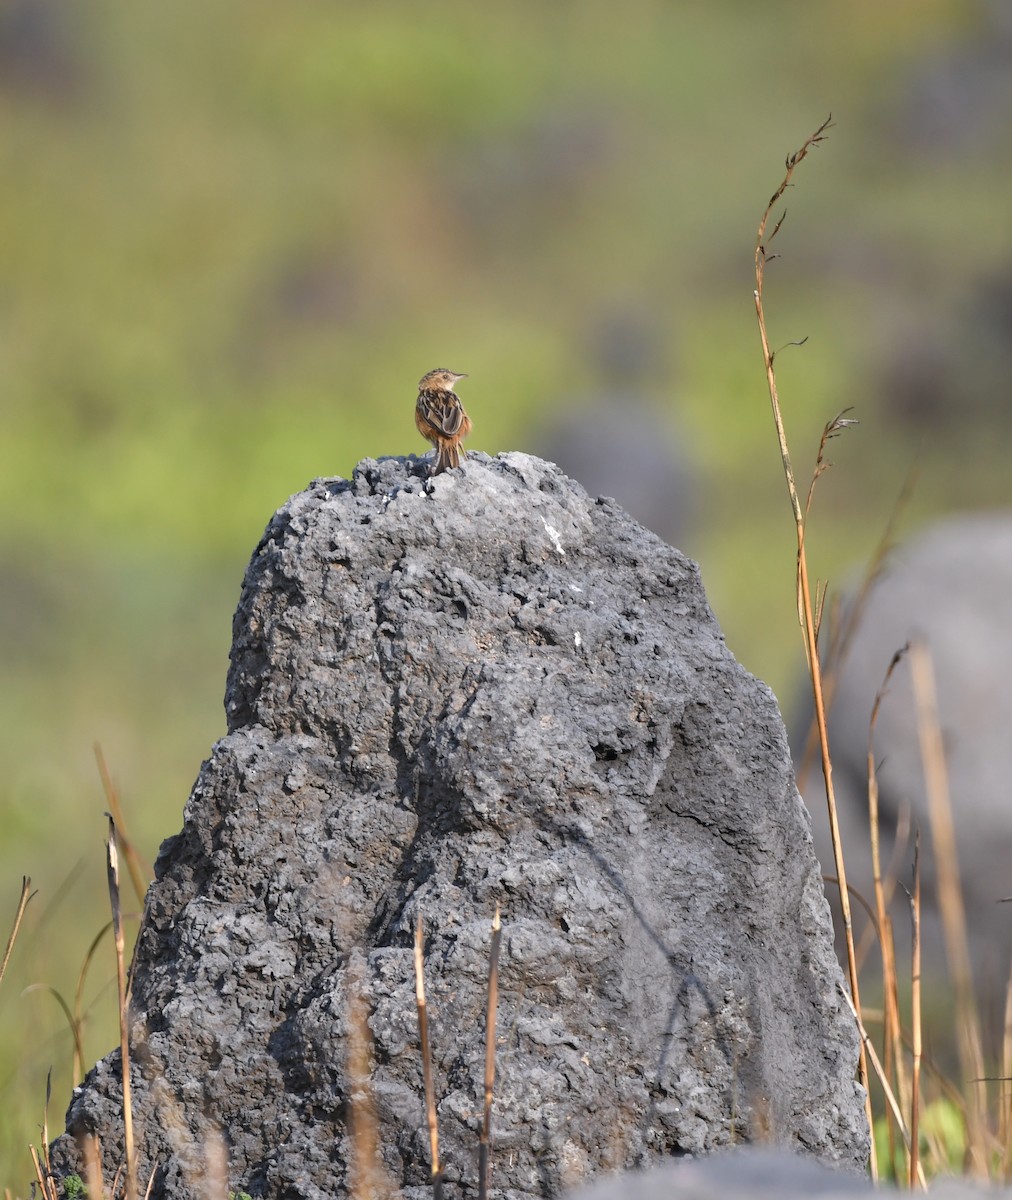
(487, 689)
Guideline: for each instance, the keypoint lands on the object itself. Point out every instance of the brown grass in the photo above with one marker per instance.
(903, 1067)
(914, 1165)
(112, 868)
(369, 1179)
(950, 903)
(807, 611)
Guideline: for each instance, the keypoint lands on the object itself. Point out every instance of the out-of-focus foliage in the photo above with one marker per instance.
(234, 235)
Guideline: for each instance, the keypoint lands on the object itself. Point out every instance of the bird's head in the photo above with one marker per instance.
(440, 380)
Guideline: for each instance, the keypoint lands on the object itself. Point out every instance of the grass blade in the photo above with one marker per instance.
(129, 852)
(91, 1152)
(112, 872)
(26, 895)
(806, 610)
(950, 903)
(915, 1017)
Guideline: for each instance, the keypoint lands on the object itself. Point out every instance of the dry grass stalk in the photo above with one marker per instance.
(431, 1118)
(26, 895)
(151, 1184)
(75, 1022)
(1005, 1117)
(78, 1016)
(41, 1162)
(46, 1185)
(91, 1152)
(842, 631)
(203, 1163)
(892, 1033)
(950, 903)
(214, 1184)
(45, 1125)
(369, 1181)
(915, 1016)
(890, 1095)
(112, 871)
(129, 851)
(484, 1145)
(806, 611)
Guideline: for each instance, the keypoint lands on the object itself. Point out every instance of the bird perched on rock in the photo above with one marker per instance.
(441, 419)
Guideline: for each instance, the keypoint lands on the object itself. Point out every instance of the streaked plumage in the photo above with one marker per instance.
(441, 419)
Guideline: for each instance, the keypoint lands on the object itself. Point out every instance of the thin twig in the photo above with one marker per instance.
(484, 1144)
(423, 1035)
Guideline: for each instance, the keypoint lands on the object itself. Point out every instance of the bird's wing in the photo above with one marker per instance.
(443, 411)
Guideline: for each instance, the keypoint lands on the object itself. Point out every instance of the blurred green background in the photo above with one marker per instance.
(234, 235)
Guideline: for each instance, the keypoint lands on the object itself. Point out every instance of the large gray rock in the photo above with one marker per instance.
(487, 689)
(949, 587)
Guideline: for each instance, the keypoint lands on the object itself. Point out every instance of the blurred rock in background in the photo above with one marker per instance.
(958, 98)
(620, 438)
(38, 55)
(950, 588)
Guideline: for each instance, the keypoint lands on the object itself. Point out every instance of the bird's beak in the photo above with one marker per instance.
(464, 376)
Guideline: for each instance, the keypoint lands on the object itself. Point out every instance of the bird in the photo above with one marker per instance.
(441, 419)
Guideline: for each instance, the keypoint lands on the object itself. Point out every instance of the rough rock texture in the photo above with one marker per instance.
(751, 1173)
(487, 689)
(949, 587)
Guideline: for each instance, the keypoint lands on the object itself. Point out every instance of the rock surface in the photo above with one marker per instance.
(487, 689)
(751, 1173)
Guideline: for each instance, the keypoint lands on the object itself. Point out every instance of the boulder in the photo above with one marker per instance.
(948, 587)
(486, 689)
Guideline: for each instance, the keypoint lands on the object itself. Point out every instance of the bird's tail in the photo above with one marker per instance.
(448, 454)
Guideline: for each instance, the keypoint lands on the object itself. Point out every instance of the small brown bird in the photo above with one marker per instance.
(441, 419)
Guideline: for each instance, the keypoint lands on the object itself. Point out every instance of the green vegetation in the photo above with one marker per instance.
(234, 236)
(943, 1142)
